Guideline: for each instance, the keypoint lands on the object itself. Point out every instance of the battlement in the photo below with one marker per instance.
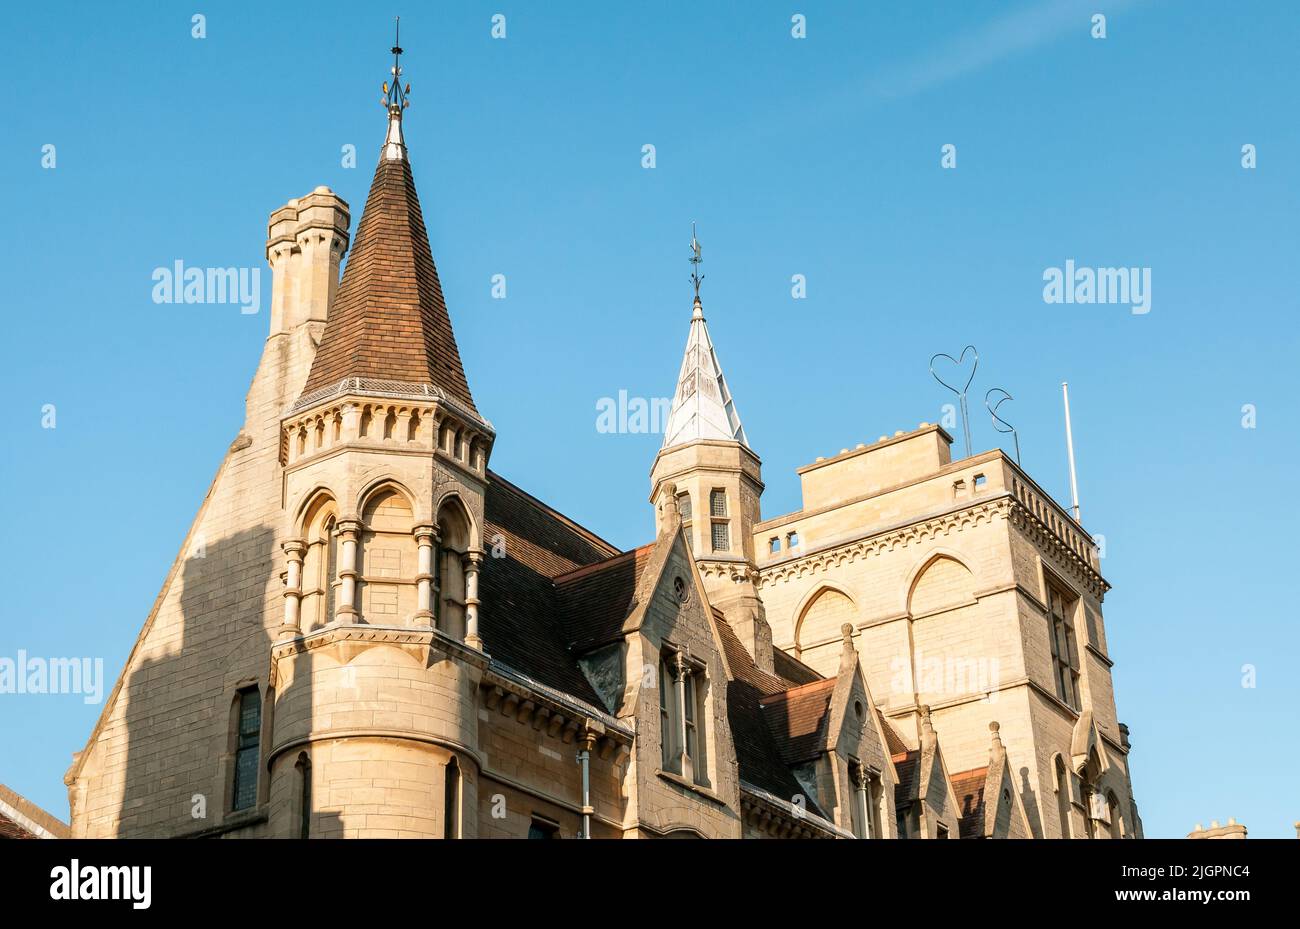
(887, 462)
(305, 243)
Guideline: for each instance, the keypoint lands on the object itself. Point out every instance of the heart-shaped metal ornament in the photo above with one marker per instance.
(957, 363)
(961, 393)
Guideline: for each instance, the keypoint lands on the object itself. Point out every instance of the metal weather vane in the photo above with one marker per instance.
(394, 96)
(1000, 424)
(696, 277)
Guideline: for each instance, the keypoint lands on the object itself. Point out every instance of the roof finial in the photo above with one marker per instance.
(696, 277)
(394, 100)
(394, 96)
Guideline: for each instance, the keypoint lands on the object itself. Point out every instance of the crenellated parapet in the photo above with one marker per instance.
(305, 243)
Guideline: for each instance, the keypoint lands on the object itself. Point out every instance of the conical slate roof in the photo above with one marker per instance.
(702, 407)
(389, 321)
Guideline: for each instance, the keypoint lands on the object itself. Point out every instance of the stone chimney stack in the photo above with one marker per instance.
(305, 242)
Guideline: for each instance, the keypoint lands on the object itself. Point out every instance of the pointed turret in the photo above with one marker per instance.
(389, 322)
(715, 480)
(387, 401)
(702, 406)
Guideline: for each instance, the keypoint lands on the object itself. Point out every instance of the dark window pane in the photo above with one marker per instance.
(247, 749)
(542, 830)
(245, 778)
(721, 538)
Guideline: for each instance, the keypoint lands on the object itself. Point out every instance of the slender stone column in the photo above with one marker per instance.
(426, 538)
(349, 533)
(682, 672)
(471, 563)
(862, 781)
(293, 553)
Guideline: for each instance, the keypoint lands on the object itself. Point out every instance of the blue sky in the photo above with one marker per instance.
(818, 157)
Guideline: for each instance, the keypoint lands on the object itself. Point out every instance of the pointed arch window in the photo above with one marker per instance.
(1112, 812)
(451, 800)
(330, 570)
(1063, 798)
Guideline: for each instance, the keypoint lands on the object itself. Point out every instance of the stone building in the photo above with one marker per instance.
(369, 633)
(1233, 830)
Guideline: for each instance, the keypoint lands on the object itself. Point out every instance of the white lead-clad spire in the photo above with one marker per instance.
(394, 144)
(702, 407)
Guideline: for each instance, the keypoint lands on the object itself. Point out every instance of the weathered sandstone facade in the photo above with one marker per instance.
(369, 633)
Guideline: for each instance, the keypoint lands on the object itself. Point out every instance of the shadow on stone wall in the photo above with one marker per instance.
(179, 706)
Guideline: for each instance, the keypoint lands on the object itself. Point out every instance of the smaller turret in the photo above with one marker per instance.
(716, 482)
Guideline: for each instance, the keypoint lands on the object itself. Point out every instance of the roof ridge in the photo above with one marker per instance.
(512, 487)
(597, 566)
(810, 686)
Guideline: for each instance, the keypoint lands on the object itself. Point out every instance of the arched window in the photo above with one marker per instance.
(329, 577)
(451, 796)
(387, 590)
(303, 770)
(819, 641)
(1063, 798)
(1094, 802)
(1112, 809)
(320, 563)
(449, 569)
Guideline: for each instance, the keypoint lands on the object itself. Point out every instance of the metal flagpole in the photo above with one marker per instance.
(1069, 446)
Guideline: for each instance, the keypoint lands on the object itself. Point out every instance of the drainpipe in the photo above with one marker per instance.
(584, 758)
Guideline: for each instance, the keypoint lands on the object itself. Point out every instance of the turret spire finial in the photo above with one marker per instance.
(394, 95)
(696, 277)
(395, 101)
